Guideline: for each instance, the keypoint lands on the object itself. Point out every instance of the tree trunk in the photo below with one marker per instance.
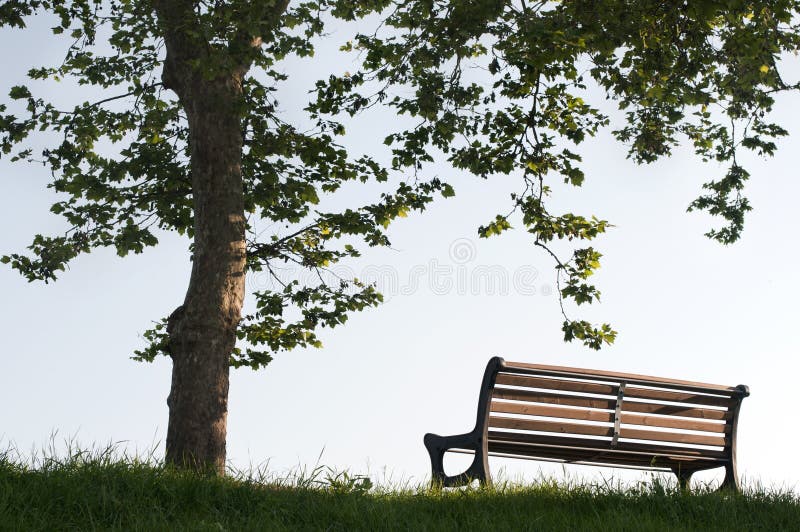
(203, 331)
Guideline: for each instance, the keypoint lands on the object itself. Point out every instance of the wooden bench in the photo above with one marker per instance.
(591, 417)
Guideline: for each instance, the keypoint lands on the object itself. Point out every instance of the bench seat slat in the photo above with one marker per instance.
(650, 449)
(609, 457)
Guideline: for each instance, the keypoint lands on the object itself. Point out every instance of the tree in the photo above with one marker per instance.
(188, 138)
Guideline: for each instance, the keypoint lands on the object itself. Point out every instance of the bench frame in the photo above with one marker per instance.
(477, 440)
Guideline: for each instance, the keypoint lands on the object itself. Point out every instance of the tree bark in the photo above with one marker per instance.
(203, 330)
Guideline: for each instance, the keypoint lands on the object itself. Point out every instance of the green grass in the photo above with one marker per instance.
(103, 491)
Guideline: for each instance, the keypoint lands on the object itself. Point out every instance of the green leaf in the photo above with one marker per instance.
(19, 92)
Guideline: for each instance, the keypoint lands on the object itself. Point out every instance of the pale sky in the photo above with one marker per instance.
(684, 306)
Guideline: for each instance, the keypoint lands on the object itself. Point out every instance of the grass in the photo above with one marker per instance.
(101, 490)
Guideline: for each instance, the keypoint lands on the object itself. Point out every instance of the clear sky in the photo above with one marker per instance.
(684, 306)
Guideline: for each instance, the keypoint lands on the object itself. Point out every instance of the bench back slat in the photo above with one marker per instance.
(550, 426)
(677, 397)
(588, 374)
(604, 430)
(676, 410)
(551, 398)
(673, 437)
(608, 404)
(586, 414)
(534, 409)
(673, 422)
(555, 384)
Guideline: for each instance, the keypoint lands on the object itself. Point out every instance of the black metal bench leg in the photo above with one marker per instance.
(731, 480)
(437, 459)
(481, 465)
(684, 479)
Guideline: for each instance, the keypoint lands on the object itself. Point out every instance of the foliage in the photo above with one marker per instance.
(496, 87)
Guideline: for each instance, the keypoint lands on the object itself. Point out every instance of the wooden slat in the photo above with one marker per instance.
(649, 449)
(533, 409)
(590, 374)
(588, 402)
(603, 430)
(674, 437)
(572, 454)
(542, 454)
(609, 457)
(668, 422)
(583, 414)
(660, 464)
(551, 398)
(555, 384)
(549, 426)
(674, 410)
(562, 460)
(677, 397)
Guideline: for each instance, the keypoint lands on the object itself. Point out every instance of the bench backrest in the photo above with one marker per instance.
(608, 410)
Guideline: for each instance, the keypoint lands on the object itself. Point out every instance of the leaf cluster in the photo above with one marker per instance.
(501, 88)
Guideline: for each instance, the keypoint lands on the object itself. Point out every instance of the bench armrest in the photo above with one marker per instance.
(438, 445)
(445, 443)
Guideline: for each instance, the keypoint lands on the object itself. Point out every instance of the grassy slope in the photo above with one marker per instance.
(130, 496)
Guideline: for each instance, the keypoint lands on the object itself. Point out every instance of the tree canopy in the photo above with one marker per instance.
(692, 71)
